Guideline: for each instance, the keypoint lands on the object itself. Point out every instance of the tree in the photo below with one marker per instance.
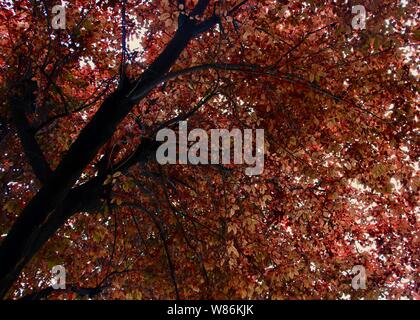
(81, 186)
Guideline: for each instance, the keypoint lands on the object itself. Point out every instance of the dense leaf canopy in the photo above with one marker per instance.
(80, 185)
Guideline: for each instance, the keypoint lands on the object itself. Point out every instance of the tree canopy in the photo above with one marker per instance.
(80, 185)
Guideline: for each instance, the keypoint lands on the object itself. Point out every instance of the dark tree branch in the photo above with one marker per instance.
(184, 233)
(200, 7)
(264, 71)
(123, 39)
(20, 101)
(94, 98)
(81, 292)
(162, 236)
